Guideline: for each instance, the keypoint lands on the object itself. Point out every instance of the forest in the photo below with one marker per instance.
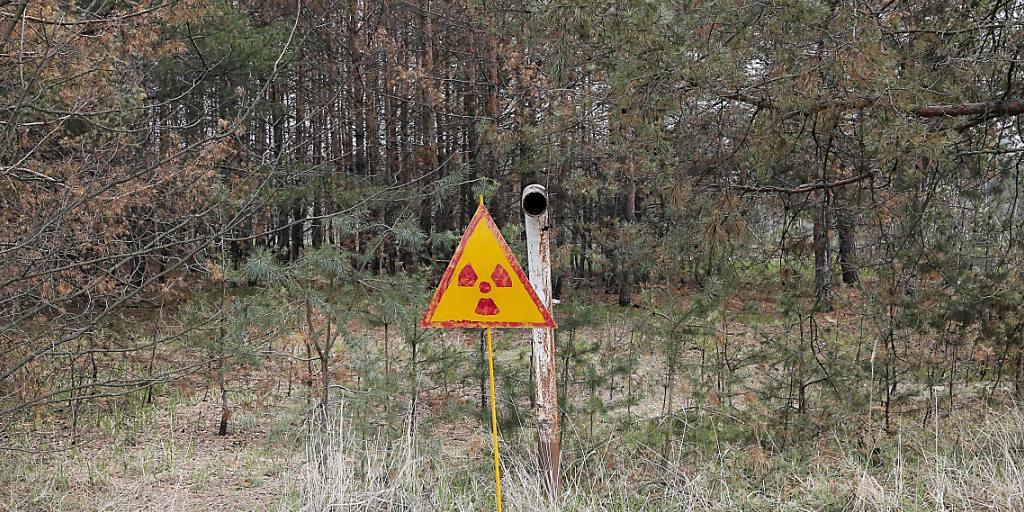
(786, 253)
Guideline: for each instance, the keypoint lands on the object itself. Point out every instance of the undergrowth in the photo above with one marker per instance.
(958, 463)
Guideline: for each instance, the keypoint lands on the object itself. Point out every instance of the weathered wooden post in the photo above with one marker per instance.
(535, 208)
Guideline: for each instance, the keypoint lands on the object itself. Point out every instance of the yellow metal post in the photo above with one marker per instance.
(494, 420)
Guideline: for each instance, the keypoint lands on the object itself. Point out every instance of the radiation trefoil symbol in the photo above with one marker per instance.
(484, 286)
(485, 306)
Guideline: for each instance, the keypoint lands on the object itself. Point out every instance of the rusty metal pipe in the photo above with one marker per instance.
(535, 209)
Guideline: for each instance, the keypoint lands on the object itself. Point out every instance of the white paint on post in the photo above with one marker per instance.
(535, 209)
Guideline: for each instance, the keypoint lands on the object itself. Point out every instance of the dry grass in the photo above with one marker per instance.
(174, 462)
(167, 459)
(970, 464)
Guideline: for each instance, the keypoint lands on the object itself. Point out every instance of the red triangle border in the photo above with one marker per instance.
(482, 215)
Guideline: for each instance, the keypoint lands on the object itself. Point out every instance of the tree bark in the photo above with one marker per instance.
(10, 23)
(356, 80)
(470, 112)
(428, 116)
(822, 241)
(318, 127)
(298, 224)
(846, 230)
(987, 108)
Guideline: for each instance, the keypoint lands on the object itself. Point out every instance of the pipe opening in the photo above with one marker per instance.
(535, 202)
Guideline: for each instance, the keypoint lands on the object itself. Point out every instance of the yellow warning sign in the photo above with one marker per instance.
(484, 286)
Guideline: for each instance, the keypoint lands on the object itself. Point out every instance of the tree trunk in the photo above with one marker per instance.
(316, 224)
(8, 26)
(277, 129)
(325, 371)
(846, 231)
(356, 80)
(822, 240)
(469, 128)
(318, 127)
(625, 289)
(415, 391)
(428, 118)
(299, 214)
(222, 370)
(493, 116)
(225, 411)
(390, 93)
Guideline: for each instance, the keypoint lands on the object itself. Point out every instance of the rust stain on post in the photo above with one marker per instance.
(539, 262)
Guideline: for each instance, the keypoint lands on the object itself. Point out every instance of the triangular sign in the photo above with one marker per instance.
(484, 286)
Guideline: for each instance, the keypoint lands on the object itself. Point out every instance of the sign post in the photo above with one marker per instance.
(484, 286)
(535, 209)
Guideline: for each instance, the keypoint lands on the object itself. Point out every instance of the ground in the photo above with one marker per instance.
(715, 440)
